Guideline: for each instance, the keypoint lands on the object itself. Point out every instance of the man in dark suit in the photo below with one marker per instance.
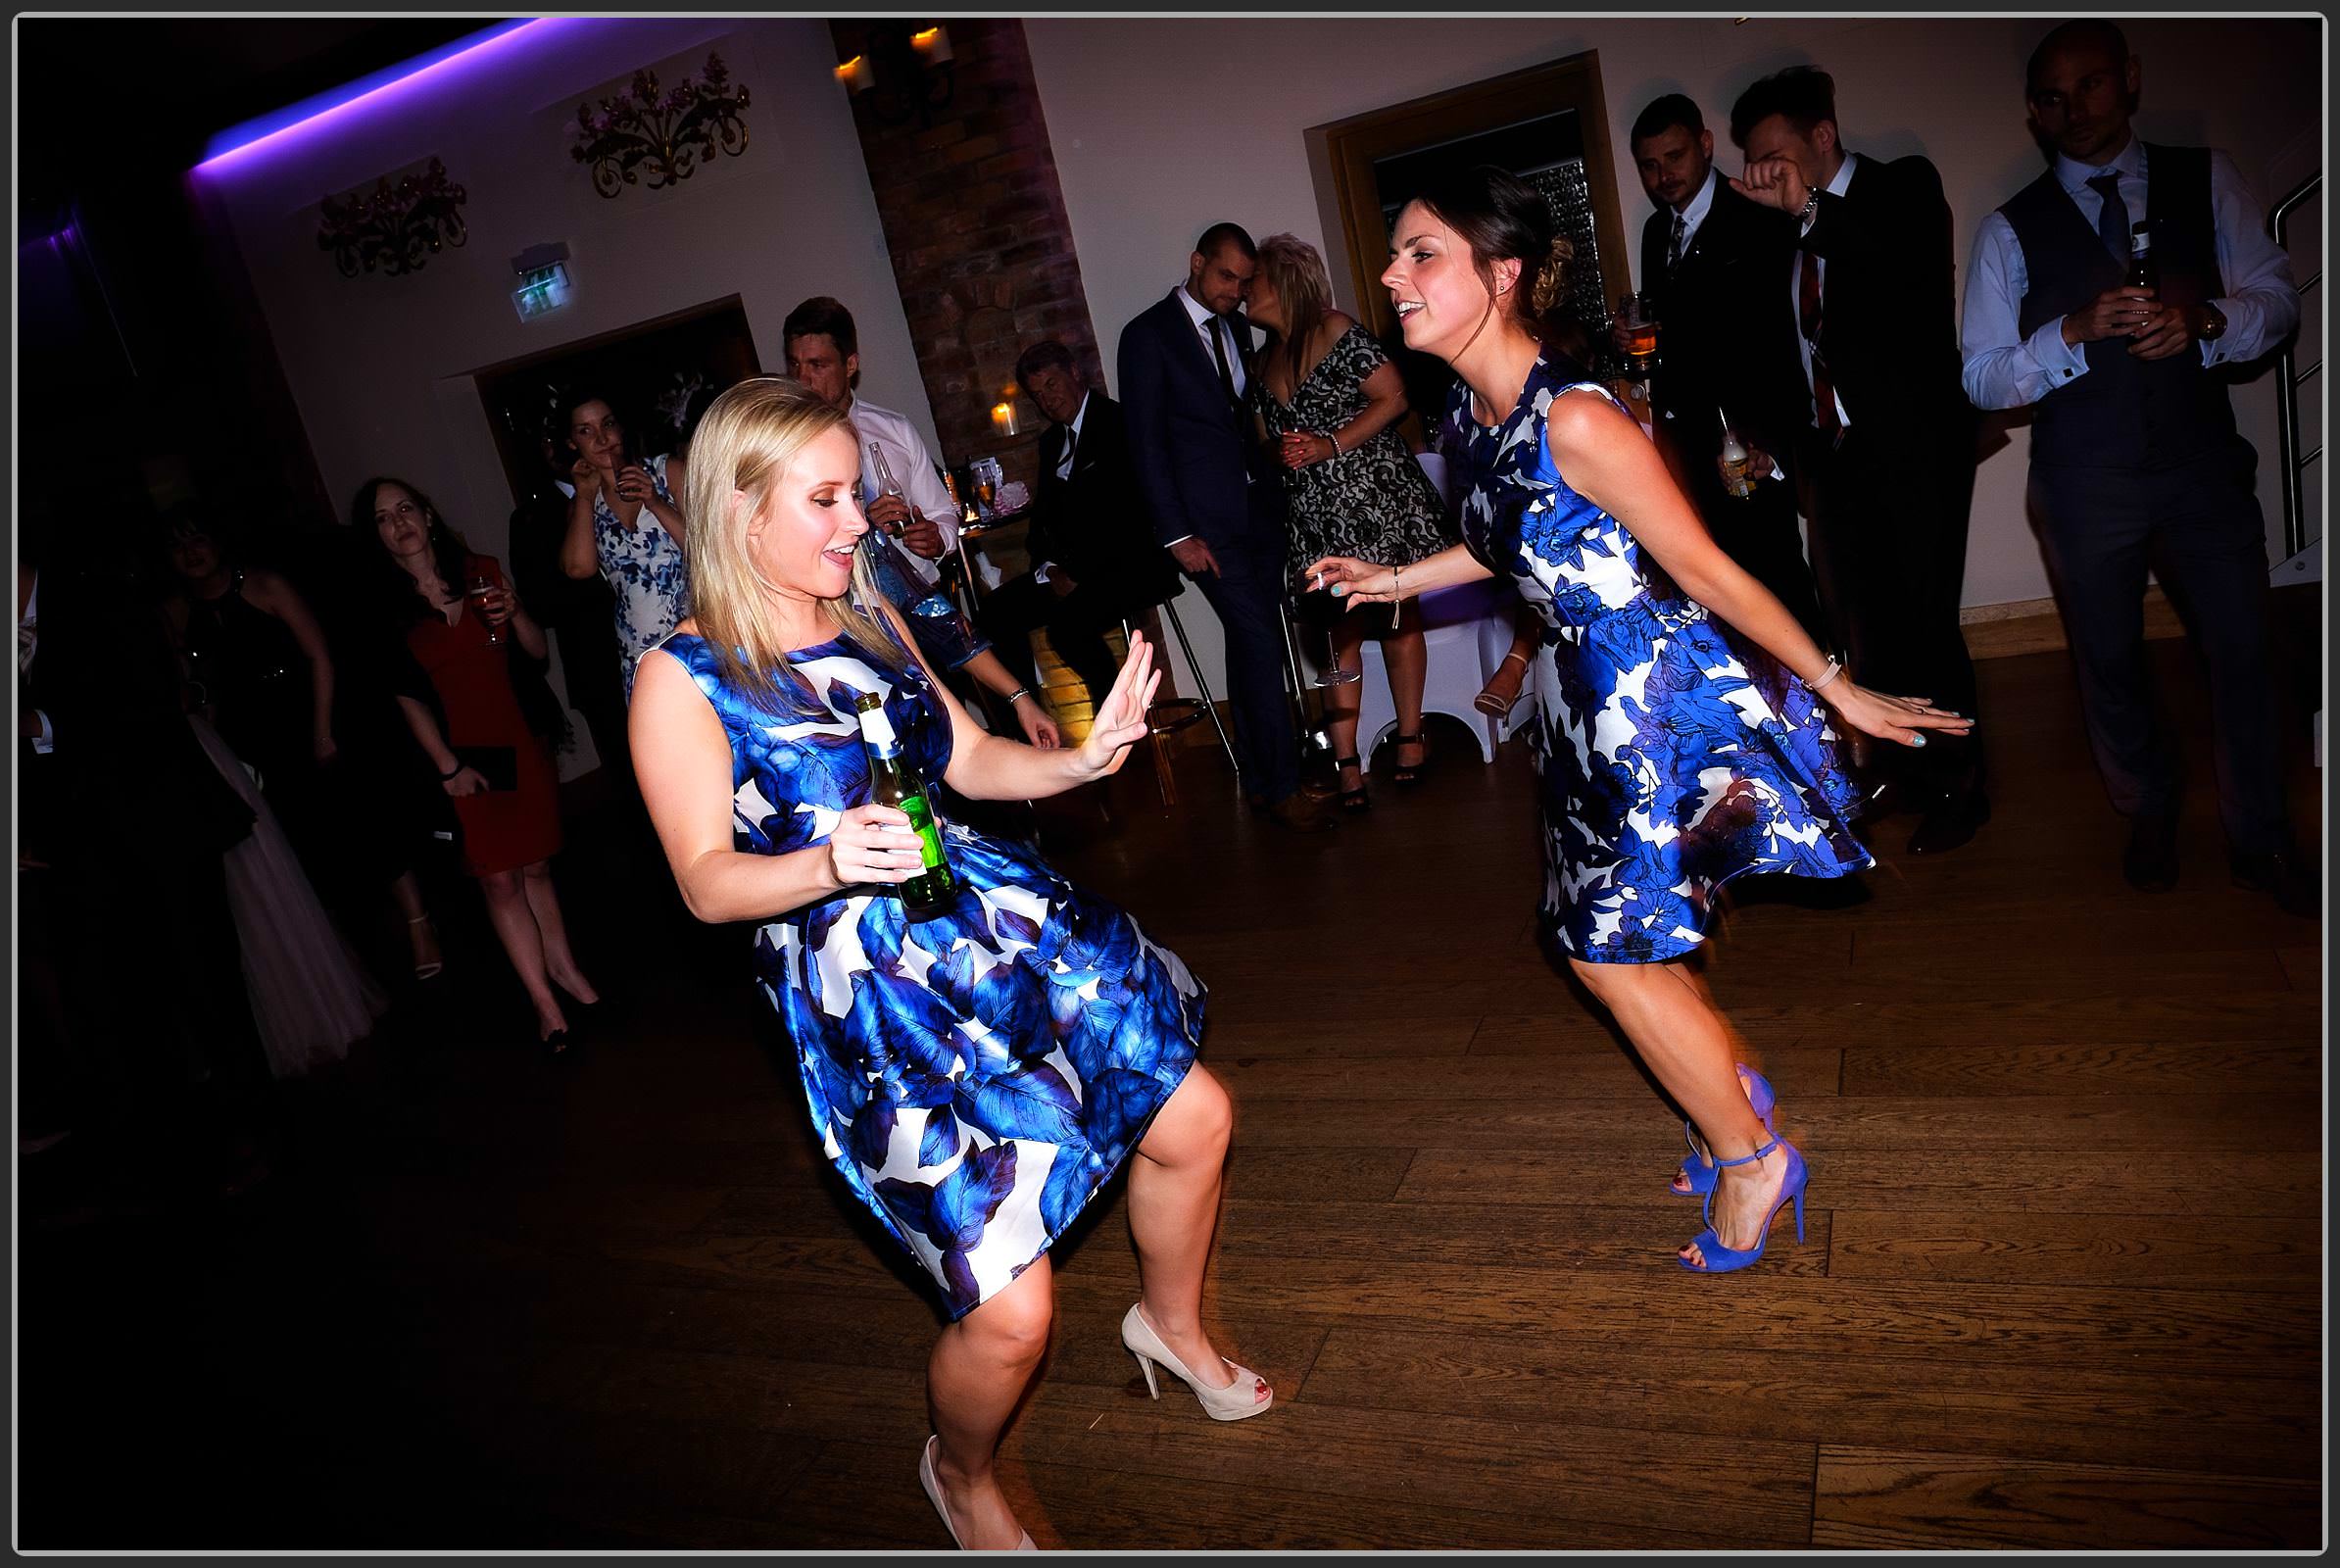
(1885, 459)
(1094, 559)
(1714, 262)
(1217, 498)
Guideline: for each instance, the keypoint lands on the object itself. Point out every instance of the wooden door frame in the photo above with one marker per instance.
(1353, 145)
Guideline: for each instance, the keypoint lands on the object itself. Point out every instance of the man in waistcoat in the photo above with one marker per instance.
(2134, 457)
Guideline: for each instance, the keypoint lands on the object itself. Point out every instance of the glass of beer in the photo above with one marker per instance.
(1640, 321)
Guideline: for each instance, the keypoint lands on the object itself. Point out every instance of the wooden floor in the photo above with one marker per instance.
(2061, 1288)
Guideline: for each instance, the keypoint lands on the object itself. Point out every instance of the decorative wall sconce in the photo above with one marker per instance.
(904, 70)
(395, 228)
(663, 135)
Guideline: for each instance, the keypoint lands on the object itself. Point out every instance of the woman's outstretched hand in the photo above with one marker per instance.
(1352, 581)
(1120, 721)
(1904, 719)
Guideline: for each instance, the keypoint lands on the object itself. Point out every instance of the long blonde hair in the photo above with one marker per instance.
(1296, 273)
(744, 445)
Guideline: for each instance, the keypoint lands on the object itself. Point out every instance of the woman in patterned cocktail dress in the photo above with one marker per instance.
(978, 1074)
(1668, 765)
(623, 523)
(1328, 401)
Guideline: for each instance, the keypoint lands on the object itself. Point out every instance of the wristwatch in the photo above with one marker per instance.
(2214, 323)
(1810, 209)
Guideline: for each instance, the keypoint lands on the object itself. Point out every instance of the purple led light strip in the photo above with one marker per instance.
(311, 115)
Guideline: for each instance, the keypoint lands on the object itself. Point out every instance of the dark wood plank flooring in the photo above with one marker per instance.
(2061, 1287)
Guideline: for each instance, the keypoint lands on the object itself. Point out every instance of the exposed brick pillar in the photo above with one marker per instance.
(974, 219)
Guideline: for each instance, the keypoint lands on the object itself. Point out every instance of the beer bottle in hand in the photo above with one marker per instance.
(894, 782)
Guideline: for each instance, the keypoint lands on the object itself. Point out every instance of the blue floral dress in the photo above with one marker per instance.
(645, 572)
(1667, 767)
(977, 1076)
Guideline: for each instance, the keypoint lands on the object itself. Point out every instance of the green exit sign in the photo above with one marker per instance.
(546, 288)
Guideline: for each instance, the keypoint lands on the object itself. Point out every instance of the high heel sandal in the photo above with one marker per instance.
(934, 1494)
(424, 970)
(1248, 1395)
(1502, 688)
(1411, 772)
(1355, 800)
(1720, 1260)
(1695, 1170)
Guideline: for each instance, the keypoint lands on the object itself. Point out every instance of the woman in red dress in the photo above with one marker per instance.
(459, 613)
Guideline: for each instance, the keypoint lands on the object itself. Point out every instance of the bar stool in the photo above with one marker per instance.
(1171, 714)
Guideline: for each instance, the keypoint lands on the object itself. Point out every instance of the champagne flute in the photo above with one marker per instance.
(1330, 673)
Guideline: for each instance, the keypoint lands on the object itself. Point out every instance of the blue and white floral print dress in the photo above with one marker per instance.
(645, 571)
(975, 1077)
(1667, 768)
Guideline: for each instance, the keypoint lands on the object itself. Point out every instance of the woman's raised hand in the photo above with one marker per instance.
(1120, 721)
(1904, 719)
(873, 843)
(1352, 581)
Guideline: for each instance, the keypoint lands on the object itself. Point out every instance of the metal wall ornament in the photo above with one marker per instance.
(396, 229)
(661, 138)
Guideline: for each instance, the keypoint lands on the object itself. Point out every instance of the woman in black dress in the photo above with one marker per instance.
(271, 686)
(1328, 397)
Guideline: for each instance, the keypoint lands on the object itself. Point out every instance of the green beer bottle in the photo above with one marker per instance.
(894, 782)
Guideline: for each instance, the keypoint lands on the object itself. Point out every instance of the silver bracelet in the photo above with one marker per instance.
(1334, 436)
(1020, 691)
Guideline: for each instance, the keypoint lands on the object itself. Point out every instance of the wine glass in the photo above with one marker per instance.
(1329, 673)
(476, 590)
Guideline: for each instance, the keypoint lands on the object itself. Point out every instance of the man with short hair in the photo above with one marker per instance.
(824, 353)
(1885, 456)
(1095, 559)
(1713, 263)
(1217, 497)
(2133, 448)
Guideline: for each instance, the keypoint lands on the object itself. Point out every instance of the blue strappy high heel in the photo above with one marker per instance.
(1695, 1170)
(1720, 1260)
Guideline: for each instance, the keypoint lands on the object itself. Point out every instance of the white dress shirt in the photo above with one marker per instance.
(2004, 370)
(913, 470)
(1795, 291)
(1695, 214)
(1205, 325)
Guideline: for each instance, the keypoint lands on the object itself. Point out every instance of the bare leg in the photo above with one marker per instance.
(1683, 1040)
(980, 1368)
(560, 964)
(1174, 1206)
(515, 928)
(407, 894)
(1342, 701)
(1502, 688)
(1407, 658)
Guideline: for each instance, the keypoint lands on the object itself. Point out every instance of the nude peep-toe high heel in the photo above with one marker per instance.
(1248, 1395)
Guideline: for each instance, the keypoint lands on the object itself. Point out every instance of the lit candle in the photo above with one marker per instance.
(933, 45)
(857, 76)
(1003, 419)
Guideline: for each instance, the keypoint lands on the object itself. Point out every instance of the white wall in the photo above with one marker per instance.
(1162, 127)
(381, 366)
